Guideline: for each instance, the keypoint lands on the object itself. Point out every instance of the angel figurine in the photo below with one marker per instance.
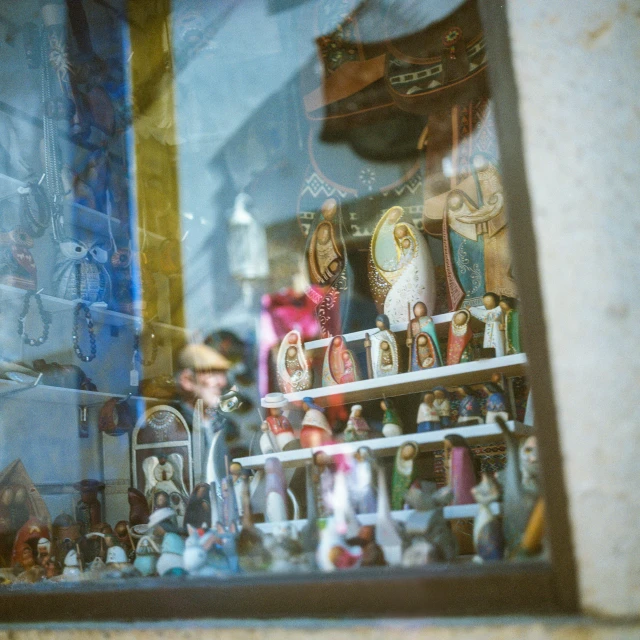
(340, 366)
(422, 340)
(294, 372)
(164, 475)
(400, 266)
(382, 350)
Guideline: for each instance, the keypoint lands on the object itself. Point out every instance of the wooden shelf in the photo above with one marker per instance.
(358, 336)
(430, 441)
(415, 381)
(60, 395)
(454, 512)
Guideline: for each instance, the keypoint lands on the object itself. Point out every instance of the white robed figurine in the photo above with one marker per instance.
(401, 268)
(493, 318)
(384, 349)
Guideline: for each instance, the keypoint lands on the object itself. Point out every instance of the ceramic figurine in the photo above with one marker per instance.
(460, 469)
(493, 319)
(520, 488)
(428, 418)
(340, 365)
(469, 410)
(382, 350)
(32, 572)
(28, 535)
(277, 431)
(459, 347)
(387, 534)
(403, 473)
(400, 266)
(72, 568)
(201, 557)
(443, 406)
(236, 479)
(315, 430)
(170, 560)
(487, 529)
(198, 513)
(164, 486)
(511, 325)
(329, 269)
(66, 532)
(88, 510)
(293, 369)
(422, 341)
(123, 536)
(357, 427)
(44, 551)
(391, 423)
(496, 403)
(138, 507)
(275, 508)
(117, 561)
(473, 225)
(362, 492)
(147, 553)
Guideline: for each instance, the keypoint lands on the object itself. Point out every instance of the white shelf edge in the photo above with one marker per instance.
(428, 441)
(453, 512)
(414, 381)
(356, 336)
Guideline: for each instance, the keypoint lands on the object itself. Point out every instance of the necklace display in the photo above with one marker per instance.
(92, 338)
(35, 223)
(45, 317)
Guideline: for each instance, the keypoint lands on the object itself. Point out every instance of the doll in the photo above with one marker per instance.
(428, 418)
(492, 316)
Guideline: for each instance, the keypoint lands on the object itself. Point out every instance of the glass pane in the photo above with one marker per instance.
(263, 313)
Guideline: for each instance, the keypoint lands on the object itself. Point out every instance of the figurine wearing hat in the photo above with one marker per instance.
(277, 431)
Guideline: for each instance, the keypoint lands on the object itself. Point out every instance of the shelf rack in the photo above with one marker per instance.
(415, 381)
(429, 441)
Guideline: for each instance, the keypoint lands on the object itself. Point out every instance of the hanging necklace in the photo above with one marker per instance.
(45, 317)
(92, 338)
(36, 222)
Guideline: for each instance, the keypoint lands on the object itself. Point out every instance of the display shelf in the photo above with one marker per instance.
(414, 381)
(429, 441)
(454, 512)
(358, 336)
(61, 395)
(101, 315)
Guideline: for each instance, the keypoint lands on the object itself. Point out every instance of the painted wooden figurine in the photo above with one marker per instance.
(357, 427)
(275, 509)
(422, 341)
(360, 481)
(487, 529)
(340, 365)
(391, 423)
(428, 418)
(443, 406)
(294, 372)
(469, 410)
(511, 325)
(316, 429)
(496, 403)
(459, 348)
(401, 268)
(382, 350)
(277, 432)
(460, 469)
(403, 473)
(492, 316)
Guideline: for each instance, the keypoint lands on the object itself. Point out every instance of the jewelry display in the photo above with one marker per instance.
(92, 338)
(36, 222)
(45, 317)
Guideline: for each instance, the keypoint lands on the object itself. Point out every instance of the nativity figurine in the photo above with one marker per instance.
(469, 409)
(511, 325)
(459, 346)
(340, 365)
(382, 350)
(400, 266)
(357, 427)
(428, 418)
(277, 432)
(316, 430)
(443, 406)
(422, 341)
(164, 484)
(492, 316)
(391, 422)
(293, 369)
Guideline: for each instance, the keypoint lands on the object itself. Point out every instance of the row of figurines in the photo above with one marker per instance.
(225, 540)
(434, 412)
(340, 366)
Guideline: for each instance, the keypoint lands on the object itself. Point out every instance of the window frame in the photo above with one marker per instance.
(435, 590)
